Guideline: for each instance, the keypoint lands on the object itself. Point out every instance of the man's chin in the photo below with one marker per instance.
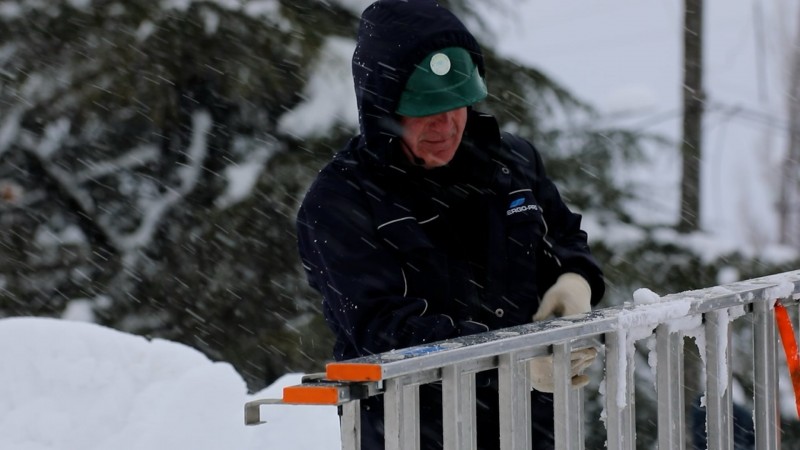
(434, 162)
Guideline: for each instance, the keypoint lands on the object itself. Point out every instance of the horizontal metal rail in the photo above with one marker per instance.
(398, 374)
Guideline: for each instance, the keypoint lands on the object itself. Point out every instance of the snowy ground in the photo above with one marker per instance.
(68, 385)
(76, 386)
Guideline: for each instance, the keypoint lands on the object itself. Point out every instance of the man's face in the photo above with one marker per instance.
(433, 140)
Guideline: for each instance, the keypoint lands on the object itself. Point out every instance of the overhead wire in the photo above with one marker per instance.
(728, 110)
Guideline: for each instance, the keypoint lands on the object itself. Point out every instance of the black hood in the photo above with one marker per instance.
(394, 36)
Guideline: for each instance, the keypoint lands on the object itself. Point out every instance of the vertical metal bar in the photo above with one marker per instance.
(620, 425)
(411, 426)
(401, 415)
(351, 425)
(515, 403)
(392, 413)
(669, 383)
(568, 421)
(576, 406)
(766, 379)
(719, 406)
(458, 404)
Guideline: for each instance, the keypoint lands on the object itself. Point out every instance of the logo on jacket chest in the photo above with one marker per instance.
(518, 205)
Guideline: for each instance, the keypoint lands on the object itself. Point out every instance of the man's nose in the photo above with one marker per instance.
(441, 118)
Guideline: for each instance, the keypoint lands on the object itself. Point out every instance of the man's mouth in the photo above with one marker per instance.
(439, 139)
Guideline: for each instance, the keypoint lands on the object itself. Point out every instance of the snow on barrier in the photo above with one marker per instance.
(704, 314)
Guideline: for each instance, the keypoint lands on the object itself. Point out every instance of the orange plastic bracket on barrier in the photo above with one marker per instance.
(311, 395)
(353, 372)
(790, 348)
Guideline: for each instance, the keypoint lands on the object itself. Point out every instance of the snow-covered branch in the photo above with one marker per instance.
(155, 210)
(137, 157)
(9, 128)
(43, 151)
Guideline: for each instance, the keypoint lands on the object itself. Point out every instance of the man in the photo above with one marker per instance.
(431, 224)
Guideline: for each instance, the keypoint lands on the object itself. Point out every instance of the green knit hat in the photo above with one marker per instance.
(446, 79)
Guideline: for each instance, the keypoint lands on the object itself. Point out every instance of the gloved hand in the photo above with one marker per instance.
(541, 370)
(569, 295)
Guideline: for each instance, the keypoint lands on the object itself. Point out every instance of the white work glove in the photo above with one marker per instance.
(541, 370)
(569, 295)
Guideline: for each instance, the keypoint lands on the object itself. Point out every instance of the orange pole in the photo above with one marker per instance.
(790, 348)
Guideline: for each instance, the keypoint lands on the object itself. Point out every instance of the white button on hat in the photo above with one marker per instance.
(440, 64)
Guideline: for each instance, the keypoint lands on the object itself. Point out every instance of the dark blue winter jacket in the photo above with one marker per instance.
(404, 255)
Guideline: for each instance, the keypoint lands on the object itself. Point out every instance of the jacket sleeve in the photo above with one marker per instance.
(361, 281)
(564, 239)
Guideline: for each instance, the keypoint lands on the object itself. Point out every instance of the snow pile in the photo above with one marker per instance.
(68, 385)
(645, 296)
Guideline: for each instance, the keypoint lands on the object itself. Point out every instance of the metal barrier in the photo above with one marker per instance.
(709, 312)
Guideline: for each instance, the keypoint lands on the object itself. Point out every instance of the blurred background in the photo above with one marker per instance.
(153, 153)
